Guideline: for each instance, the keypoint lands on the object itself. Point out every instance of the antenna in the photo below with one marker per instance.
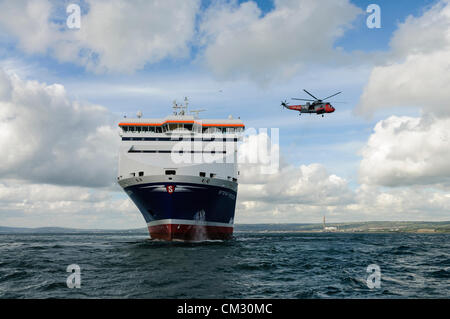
(175, 107)
(184, 108)
(139, 114)
(195, 112)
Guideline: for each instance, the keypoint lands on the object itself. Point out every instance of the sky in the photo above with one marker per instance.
(383, 155)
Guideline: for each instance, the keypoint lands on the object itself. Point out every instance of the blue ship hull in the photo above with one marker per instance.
(185, 211)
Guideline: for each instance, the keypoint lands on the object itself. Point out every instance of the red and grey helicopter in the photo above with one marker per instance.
(318, 106)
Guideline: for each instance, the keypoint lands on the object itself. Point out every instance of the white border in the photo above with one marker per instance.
(188, 222)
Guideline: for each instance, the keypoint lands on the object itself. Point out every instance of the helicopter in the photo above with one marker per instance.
(318, 106)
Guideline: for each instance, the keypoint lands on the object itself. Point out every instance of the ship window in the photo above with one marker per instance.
(158, 129)
(145, 128)
(188, 127)
(132, 174)
(211, 130)
(212, 175)
(125, 128)
(141, 173)
(151, 128)
(170, 172)
(234, 179)
(202, 174)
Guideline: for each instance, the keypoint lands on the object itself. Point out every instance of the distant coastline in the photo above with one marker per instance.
(351, 227)
(359, 227)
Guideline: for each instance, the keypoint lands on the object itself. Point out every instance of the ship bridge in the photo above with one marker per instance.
(181, 123)
(179, 144)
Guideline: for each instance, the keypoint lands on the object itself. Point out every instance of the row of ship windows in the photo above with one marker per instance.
(187, 127)
(179, 138)
(173, 172)
(181, 151)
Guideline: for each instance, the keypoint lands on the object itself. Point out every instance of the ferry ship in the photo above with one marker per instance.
(181, 173)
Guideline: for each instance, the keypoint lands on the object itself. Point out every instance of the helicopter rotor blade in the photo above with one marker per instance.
(332, 95)
(294, 98)
(311, 94)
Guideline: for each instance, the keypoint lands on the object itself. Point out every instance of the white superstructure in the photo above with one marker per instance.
(179, 144)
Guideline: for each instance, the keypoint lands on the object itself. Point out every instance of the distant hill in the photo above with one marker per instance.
(63, 230)
(373, 226)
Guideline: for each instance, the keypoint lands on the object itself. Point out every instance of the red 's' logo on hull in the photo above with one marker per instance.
(170, 188)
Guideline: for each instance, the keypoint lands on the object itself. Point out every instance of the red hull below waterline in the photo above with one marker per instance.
(189, 232)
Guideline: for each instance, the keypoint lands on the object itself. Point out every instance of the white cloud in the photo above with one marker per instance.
(259, 154)
(47, 138)
(401, 203)
(425, 34)
(306, 184)
(5, 87)
(117, 36)
(240, 41)
(406, 151)
(123, 36)
(29, 22)
(43, 205)
(306, 193)
(421, 81)
(59, 160)
(417, 72)
(127, 34)
(288, 193)
(367, 203)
